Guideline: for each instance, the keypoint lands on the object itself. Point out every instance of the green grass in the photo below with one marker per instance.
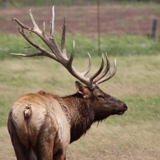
(115, 45)
(19, 3)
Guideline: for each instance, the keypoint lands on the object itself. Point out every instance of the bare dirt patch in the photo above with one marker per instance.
(115, 19)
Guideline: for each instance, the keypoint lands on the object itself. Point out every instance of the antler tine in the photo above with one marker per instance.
(99, 71)
(52, 23)
(71, 60)
(63, 47)
(36, 28)
(72, 55)
(110, 74)
(21, 24)
(27, 55)
(44, 28)
(89, 66)
(104, 72)
(61, 55)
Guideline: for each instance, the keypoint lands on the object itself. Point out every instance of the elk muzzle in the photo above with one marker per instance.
(120, 107)
(124, 108)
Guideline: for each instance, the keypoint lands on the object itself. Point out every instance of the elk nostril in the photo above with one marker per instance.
(125, 107)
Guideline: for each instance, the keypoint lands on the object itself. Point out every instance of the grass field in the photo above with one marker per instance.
(132, 136)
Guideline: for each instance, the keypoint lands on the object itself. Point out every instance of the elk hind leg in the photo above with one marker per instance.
(45, 143)
(20, 150)
(60, 154)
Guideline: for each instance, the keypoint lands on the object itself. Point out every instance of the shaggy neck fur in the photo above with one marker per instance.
(81, 114)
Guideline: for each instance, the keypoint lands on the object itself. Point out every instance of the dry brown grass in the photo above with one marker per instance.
(107, 142)
(6, 149)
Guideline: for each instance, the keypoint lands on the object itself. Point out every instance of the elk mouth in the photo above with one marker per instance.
(120, 112)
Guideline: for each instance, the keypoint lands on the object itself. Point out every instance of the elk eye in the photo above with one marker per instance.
(100, 96)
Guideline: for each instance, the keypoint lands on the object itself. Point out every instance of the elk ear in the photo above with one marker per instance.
(82, 90)
(79, 87)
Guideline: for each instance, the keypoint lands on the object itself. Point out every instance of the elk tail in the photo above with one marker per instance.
(27, 113)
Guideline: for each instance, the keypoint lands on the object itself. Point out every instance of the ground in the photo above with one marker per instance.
(114, 19)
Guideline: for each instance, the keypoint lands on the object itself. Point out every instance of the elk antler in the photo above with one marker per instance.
(60, 55)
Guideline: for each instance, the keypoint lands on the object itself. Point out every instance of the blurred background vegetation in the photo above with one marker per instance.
(67, 2)
(125, 27)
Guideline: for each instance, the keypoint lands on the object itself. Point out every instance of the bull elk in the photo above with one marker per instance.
(41, 125)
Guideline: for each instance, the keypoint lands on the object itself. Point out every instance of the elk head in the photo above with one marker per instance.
(103, 104)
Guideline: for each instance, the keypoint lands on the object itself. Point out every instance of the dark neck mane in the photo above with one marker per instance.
(81, 114)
